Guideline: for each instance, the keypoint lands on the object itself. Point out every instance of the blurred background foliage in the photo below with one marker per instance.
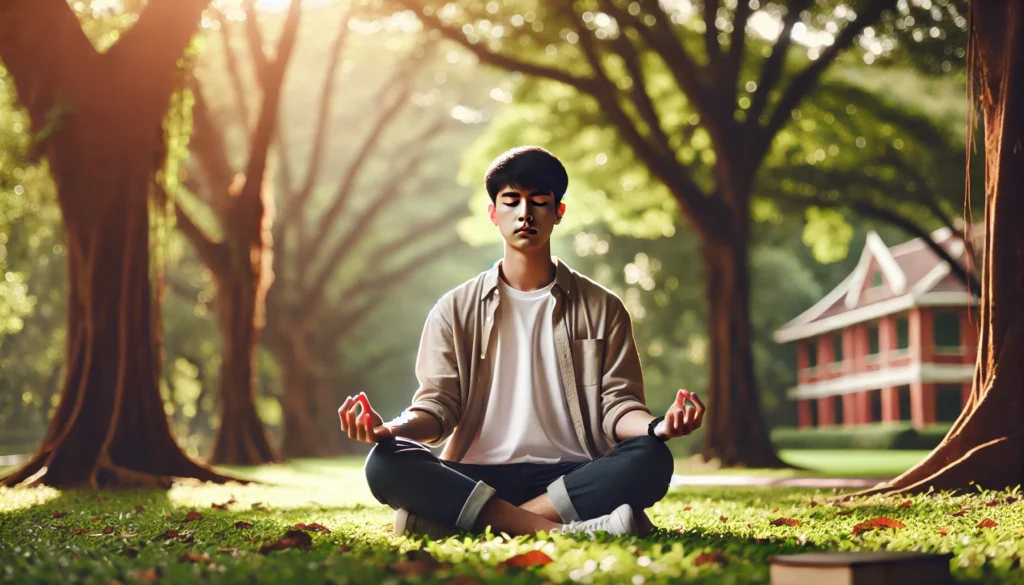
(886, 124)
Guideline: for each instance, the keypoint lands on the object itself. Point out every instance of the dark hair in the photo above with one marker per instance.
(527, 167)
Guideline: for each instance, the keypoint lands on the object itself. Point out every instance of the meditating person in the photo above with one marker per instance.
(529, 375)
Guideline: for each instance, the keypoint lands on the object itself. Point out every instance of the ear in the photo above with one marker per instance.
(492, 212)
(560, 213)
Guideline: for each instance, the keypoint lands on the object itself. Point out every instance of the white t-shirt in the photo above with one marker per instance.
(527, 418)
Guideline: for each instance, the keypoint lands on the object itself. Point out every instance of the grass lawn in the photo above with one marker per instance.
(719, 535)
(821, 463)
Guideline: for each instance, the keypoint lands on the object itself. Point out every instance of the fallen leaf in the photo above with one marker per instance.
(722, 518)
(80, 531)
(959, 514)
(59, 514)
(877, 524)
(108, 530)
(687, 509)
(533, 558)
(906, 504)
(146, 575)
(169, 518)
(1011, 499)
(259, 506)
(192, 517)
(251, 540)
(314, 527)
(988, 523)
(233, 551)
(944, 531)
(242, 525)
(844, 512)
(96, 519)
(713, 557)
(344, 548)
(992, 503)
(139, 509)
(97, 499)
(785, 522)
(812, 504)
(225, 505)
(194, 557)
(174, 535)
(775, 510)
(291, 539)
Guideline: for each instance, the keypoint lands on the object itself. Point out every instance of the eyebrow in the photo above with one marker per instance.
(516, 194)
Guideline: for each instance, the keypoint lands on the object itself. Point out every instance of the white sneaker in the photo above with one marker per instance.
(619, 522)
(417, 526)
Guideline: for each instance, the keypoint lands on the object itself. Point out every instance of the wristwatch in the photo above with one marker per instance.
(653, 424)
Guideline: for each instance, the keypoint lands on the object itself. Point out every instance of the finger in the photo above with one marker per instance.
(681, 397)
(350, 418)
(361, 435)
(341, 413)
(689, 418)
(371, 436)
(364, 401)
(673, 423)
(700, 405)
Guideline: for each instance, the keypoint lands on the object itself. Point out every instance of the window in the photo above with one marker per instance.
(812, 354)
(873, 339)
(876, 279)
(947, 329)
(902, 333)
(837, 351)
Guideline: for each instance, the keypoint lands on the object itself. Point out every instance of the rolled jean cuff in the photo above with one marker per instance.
(563, 504)
(480, 495)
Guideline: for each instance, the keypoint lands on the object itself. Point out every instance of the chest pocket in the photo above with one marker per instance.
(589, 358)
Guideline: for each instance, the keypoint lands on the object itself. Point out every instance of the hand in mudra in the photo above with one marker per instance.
(681, 419)
(366, 426)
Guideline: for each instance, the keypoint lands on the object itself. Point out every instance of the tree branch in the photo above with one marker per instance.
(804, 82)
(297, 201)
(771, 69)
(213, 254)
(737, 45)
(235, 75)
(254, 39)
(711, 46)
(44, 48)
(207, 145)
(493, 58)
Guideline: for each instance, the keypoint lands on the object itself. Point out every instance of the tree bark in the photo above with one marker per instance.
(110, 428)
(301, 433)
(736, 434)
(985, 447)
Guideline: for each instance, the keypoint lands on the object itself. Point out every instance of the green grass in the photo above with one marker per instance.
(36, 547)
(821, 463)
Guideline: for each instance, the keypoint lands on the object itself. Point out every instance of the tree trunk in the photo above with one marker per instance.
(985, 447)
(301, 432)
(736, 434)
(241, 438)
(110, 428)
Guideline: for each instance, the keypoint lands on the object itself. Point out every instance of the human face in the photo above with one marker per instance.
(525, 218)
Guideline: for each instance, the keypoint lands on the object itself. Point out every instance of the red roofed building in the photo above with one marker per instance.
(894, 341)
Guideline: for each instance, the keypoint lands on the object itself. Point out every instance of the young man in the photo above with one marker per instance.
(531, 374)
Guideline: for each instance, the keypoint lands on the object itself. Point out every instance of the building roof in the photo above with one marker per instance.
(887, 280)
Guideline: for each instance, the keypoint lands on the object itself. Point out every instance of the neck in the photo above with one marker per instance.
(527, 271)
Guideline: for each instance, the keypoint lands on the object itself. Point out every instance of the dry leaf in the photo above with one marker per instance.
(988, 523)
(993, 503)
(225, 505)
(108, 530)
(242, 525)
(944, 531)
(139, 509)
(97, 499)
(959, 514)
(233, 551)
(169, 518)
(906, 504)
(194, 557)
(812, 504)
(192, 517)
(844, 512)
(533, 558)
(344, 548)
(291, 539)
(775, 510)
(722, 518)
(785, 522)
(80, 531)
(713, 557)
(59, 514)
(145, 575)
(417, 562)
(174, 534)
(259, 506)
(877, 524)
(1011, 499)
(687, 509)
(314, 527)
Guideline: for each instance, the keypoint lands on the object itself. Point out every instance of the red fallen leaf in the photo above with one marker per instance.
(687, 509)
(80, 531)
(877, 524)
(992, 503)
(314, 527)
(533, 558)
(291, 539)
(906, 504)
(169, 518)
(722, 518)
(988, 523)
(59, 514)
(96, 519)
(774, 510)
(225, 505)
(1011, 499)
(145, 575)
(785, 522)
(242, 525)
(108, 530)
(251, 540)
(259, 506)
(139, 509)
(192, 517)
(713, 557)
(194, 557)
(344, 548)
(812, 504)
(959, 514)
(944, 531)
(844, 512)
(174, 535)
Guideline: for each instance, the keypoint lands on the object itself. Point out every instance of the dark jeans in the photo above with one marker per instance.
(405, 474)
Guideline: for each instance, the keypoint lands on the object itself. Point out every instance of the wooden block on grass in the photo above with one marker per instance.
(861, 568)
